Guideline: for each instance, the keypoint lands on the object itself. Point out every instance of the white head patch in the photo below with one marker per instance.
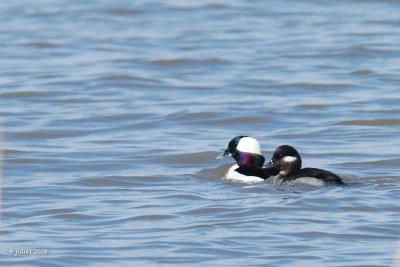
(289, 159)
(249, 145)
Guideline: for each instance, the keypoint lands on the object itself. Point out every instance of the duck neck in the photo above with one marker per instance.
(249, 160)
(289, 169)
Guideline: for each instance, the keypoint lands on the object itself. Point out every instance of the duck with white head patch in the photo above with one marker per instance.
(287, 161)
(247, 153)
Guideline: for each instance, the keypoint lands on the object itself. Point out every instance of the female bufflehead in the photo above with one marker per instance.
(287, 161)
(247, 153)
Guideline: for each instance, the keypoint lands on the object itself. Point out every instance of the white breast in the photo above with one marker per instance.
(233, 175)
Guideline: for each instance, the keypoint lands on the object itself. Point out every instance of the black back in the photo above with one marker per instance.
(326, 176)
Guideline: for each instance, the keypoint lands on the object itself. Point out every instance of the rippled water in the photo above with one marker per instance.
(112, 114)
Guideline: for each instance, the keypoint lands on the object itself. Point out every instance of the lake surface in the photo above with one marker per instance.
(112, 114)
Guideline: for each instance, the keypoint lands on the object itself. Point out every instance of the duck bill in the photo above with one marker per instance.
(224, 154)
(271, 164)
(270, 169)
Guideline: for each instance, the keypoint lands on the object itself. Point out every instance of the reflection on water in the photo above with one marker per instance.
(113, 114)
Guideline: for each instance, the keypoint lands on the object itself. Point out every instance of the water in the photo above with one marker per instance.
(112, 114)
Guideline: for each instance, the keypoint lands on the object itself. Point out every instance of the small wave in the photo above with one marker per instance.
(364, 72)
(378, 122)
(308, 55)
(315, 86)
(170, 62)
(191, 116)
(188, 6)
(191, 158)
(9, 152)
(31, 161)
(123, 80)
(122, 11)
(240, 121)
(365, 52)
(152, 217)
(376, 163)
(312, 106)
(180, 62)
(23, 94)
(218, 172)
(117, 181)
(49, 134)
(388, 22)
(117, 77)
(74, 216)
(42, 44)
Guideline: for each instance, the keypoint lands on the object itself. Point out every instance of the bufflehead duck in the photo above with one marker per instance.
(247, 153)
(287, 161)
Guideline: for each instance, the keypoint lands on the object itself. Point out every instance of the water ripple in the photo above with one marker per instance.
(113, 113)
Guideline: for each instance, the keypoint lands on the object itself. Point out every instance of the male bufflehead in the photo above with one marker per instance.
(287, 161)
(247, 153)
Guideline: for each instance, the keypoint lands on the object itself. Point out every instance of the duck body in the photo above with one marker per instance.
(288, 162)
(249, 174)
(310, 176)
